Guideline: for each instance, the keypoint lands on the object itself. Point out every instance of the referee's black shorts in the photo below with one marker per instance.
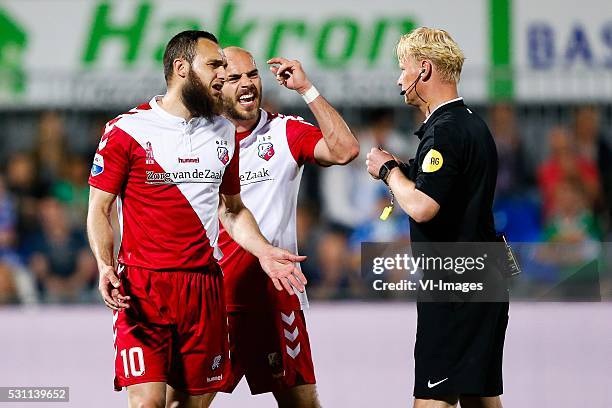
(459, 349)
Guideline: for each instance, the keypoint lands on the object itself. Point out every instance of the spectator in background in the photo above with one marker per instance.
(328, 267)
(593, 146)
(564, 165)
(59, 257)
(8, 286)
(8, 225)
(395, 229)
(353, 201)
(23, 183)
(571, 220)
(337, 279)
(573, 236)
(50, 150)
(94, 134)
(72, 190)
(8, 220)
(307, 231)
(380, 131)
(16, 282)
(349, 195)
(513, 172)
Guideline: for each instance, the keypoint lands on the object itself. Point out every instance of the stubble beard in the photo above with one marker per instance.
(232, 111)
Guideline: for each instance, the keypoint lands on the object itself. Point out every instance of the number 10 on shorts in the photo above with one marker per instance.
(130, 365)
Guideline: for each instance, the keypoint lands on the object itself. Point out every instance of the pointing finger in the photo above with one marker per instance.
(282, 70)
(277, 60)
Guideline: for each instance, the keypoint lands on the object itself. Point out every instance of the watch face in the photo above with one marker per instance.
(382, 173)
(385, 169)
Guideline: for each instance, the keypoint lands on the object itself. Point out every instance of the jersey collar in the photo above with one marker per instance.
(263, 119)
(168, 117)
(437, 112)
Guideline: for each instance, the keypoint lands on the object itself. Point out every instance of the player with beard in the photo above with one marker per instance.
(268, 339)
(172, 166)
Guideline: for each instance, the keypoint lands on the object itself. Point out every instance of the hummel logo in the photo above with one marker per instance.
(189, 160)
(430, 385)
(288, 318)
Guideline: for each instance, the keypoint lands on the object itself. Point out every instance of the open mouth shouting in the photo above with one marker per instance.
(217, 86)
(248, 99)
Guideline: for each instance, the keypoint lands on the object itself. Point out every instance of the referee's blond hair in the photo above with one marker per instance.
(434, 45)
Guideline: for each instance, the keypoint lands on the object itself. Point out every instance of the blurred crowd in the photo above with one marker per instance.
(44, 254)
(555, 187)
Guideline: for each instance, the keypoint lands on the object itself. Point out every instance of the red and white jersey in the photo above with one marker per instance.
(271, 164)
(167, 174)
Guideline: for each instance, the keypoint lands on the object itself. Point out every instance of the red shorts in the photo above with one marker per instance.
(271, 348)
(175, 330)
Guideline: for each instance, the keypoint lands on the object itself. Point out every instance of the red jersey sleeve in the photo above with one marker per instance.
(230, 184)
(302, 138)
(111, 162)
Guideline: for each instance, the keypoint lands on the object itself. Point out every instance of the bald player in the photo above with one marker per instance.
(268, 336)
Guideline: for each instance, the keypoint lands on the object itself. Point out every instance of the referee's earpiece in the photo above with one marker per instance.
(424, 75)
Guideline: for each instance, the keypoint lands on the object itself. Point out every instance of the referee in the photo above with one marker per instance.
(448, 193)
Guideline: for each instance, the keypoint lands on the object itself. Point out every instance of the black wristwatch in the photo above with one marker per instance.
(385, 169)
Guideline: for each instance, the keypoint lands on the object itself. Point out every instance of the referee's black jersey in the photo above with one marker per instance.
(456, 165)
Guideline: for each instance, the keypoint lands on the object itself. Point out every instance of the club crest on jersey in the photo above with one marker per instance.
(265, 151)
(223, 154)
(150, 159)
(98, 165)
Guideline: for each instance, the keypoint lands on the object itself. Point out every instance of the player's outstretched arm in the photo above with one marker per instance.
(278, 263)
(339, 145)
(100, 233)
(418, 205)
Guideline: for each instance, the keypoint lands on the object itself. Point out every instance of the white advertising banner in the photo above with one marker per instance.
(563, 50)
(104, 53)
(92, 53)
